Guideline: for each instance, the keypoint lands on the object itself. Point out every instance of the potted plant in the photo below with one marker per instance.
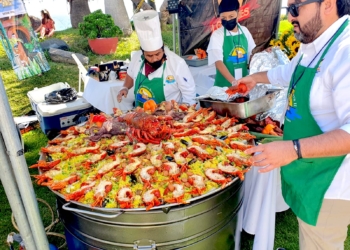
(101, 32)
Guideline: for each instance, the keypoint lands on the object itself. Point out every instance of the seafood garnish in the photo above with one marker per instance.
(100, 192)
(232, 170)
(173, 169)
(43, 165)
(178, 194)
(84, 188)
(240, 159)
(58, 185)
(124, 197)
(198, 184)
(145, 175)
(216, 176)
(239, 145)
(129, 169)
(108, 167)
(237, 128)
(156, 160)
(199, 152)
(151, 198)
(43, 179)
(139, 149)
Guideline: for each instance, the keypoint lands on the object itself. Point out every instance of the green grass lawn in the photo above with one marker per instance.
(286, 223)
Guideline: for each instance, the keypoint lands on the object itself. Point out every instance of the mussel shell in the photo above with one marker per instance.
(104, 203)
(223, 137)
(133, 178)
(169, 158)
(49, 158)
(110, 152)
(184, 142)
(192, 161)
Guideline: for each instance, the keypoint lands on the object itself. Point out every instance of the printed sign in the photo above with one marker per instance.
(19, 40)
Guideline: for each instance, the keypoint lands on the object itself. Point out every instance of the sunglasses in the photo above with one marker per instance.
(293, 9)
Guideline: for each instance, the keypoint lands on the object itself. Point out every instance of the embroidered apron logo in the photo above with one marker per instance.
(237, 55)
(144, 95)
(291, 112)
(170, 79)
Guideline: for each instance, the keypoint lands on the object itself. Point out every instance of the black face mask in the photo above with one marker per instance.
(230, 24)
(155, 65)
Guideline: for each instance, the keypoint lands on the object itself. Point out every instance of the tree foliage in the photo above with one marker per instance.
(98, 25)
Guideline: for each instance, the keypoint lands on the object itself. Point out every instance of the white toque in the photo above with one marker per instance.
(147, 26)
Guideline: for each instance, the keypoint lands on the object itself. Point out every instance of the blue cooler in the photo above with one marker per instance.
(58, 117)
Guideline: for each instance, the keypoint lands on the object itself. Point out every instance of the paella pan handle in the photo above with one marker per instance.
(66, 207)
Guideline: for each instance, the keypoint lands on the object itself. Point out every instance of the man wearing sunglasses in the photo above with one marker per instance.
(314, 155)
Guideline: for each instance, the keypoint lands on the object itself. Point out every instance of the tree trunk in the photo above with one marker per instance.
(117, 10)
(152, 3)
(164, 15)
(144, 6)
(78, 9)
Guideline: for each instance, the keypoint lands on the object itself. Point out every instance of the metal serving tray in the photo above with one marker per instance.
(242, 110)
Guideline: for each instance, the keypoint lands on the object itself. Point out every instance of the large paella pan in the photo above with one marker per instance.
(156, 157)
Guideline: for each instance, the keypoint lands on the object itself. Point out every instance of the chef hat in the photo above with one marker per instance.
(148, 30)
(228, 5)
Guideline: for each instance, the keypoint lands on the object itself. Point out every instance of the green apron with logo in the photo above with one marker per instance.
(235, 57)
(146, 89)
(305, 181)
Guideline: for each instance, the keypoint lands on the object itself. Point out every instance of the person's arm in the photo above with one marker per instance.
(39, 28)
(215, 54)
(224, 71)
(186, 83)
(130, 75)
(328, 144)
(128, 84)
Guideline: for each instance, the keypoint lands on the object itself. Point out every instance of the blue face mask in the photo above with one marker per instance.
(230, 24)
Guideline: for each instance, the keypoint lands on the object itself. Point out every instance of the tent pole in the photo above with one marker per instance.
(20, 168)
(174, 33)
(178, 33)
(14, 198)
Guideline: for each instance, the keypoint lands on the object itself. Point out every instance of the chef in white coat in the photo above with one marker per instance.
(155, 72)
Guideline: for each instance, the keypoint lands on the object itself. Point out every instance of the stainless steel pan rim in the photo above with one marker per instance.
(111, 210)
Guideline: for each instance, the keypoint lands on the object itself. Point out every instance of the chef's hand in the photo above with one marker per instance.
(123, 92)
(249, 81)
(273, 155)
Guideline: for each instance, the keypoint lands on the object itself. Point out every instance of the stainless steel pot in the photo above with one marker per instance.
(206, 223)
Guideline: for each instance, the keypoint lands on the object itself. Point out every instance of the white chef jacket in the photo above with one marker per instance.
(329, 96)
(177, 79)
(215, 50)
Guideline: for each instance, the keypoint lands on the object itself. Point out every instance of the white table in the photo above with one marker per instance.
(103, 95)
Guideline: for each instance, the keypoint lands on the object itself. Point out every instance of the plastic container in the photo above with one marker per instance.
(122, 75)
(37, 95)
(195, 62)
(57, 117)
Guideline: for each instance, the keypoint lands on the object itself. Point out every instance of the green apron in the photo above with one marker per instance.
(235, 57)
(146, 89)
(305, 181)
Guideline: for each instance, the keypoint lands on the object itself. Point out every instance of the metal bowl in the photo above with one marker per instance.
(242, 110)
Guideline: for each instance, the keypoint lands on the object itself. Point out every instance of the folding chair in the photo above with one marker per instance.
(82, 73)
